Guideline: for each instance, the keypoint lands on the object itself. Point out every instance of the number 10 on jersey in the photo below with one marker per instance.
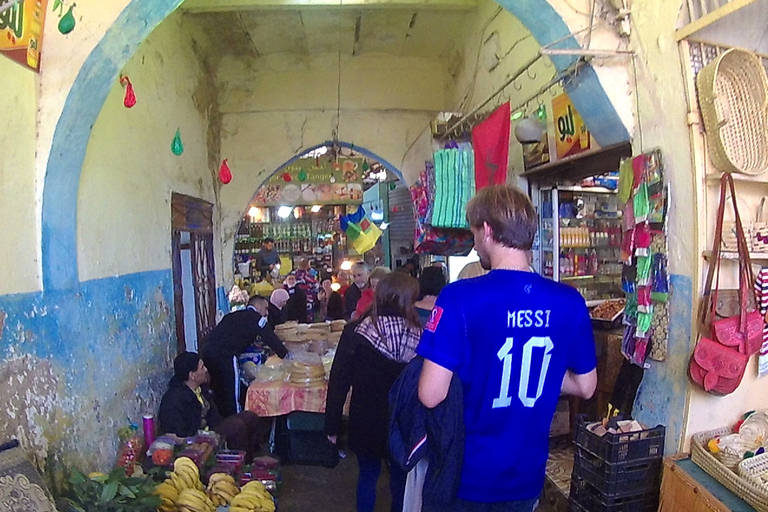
(505, 356)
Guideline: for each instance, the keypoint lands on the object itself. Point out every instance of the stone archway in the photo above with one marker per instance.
(96, 78)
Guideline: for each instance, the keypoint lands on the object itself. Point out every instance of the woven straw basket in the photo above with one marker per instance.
(733, 98)
(748, 490)
(752, 469)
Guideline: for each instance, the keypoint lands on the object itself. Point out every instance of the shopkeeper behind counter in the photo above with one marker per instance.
(236, 332)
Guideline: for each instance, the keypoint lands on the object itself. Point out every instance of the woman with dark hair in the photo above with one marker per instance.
(372, 353)
(187, 406)
(431, 281)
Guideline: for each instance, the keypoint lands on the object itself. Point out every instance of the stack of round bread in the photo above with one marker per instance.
(306, 375)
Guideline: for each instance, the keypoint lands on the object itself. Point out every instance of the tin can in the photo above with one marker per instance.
(149, 429)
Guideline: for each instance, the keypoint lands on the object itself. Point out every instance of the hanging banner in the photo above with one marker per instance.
(310, 181)
(571, 134)
(21, 31)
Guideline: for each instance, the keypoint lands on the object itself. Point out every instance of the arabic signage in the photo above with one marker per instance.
(310, 181)
(571, 134)
(21, 31)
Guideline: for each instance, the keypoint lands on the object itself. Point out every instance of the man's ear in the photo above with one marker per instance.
(487, 231)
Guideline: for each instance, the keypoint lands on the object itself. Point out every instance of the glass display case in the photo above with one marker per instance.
(580, 239)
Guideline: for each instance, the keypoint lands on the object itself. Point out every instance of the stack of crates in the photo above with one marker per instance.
(616, 472)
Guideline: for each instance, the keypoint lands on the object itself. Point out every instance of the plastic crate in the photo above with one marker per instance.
(613, 448)
(620, 479)
(584, 497)
(300, 421)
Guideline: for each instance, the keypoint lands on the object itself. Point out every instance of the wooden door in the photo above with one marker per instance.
(192, 230)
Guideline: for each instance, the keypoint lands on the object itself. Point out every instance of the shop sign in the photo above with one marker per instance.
(309, 181)
(21, 31)
(571, 134)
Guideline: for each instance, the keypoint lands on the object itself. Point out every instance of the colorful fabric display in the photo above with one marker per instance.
(644, 270)
(642, 205)
(360, 230)
(638, 169)
(642, 239)
(643, 299)
(626, 180)
(454, 187)
(761, 287)
(660, 280)
(490, 140)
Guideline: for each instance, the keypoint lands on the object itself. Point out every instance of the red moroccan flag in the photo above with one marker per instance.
(490, 140)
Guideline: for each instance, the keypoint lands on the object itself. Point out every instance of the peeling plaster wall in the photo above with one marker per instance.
(75, 365)
(18, 239)
(123, 211)
(661, 120)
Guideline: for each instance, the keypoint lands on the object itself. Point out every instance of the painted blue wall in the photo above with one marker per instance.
(662, 394)
(110, 345)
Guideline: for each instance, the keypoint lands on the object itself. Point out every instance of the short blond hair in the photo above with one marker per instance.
(509, 213)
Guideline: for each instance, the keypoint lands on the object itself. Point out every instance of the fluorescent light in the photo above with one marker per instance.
(346, 265)
(316, 208)
(284, 212)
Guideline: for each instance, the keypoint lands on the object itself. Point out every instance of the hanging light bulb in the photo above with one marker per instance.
(316, 208)
(284, 212)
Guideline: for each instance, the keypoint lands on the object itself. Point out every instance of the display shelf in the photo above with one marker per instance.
(760, 178)
(734, 255)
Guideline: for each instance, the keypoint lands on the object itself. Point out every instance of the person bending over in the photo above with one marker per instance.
(236, 332)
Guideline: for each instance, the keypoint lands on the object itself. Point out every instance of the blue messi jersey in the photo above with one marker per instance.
(510, 336)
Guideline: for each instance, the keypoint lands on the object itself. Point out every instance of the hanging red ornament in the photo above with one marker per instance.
(130, 96)
(395, 209)
(287, 176)
(225, 175)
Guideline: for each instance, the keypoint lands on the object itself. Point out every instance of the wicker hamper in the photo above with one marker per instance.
(733, 98)
(751, 469)
(743, 488)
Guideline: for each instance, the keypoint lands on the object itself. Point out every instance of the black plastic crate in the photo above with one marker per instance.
(620, 479)
(613, 448)
(584, 497)
(306, 448)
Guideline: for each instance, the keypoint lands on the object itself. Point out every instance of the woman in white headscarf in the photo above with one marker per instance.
(276, 304)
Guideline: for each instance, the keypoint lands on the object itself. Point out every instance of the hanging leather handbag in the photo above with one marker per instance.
(722, 352)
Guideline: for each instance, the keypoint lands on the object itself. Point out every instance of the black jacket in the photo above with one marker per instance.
(181, 413)
(335, 307)
(296, 307)
(236, 332)
(351, 297)
(370, 374)
(438, 434)
(276, 316)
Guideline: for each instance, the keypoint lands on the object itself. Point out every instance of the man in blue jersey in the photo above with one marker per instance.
(517, 341)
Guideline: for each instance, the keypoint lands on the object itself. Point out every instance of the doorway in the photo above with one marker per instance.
(194, 283)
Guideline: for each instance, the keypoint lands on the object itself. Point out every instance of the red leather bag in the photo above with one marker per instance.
(722, 352)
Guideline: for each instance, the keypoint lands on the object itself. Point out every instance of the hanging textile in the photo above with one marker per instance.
(429, 239)
(490, 140)
(360, 230)
(644, 252)
(454, 186)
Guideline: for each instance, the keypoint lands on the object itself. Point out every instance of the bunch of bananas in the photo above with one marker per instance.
(222, 488)
(184, 477)
(253, 497)
(194, 500)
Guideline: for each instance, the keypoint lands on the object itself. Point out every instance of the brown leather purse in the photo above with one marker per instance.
(721, 355)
